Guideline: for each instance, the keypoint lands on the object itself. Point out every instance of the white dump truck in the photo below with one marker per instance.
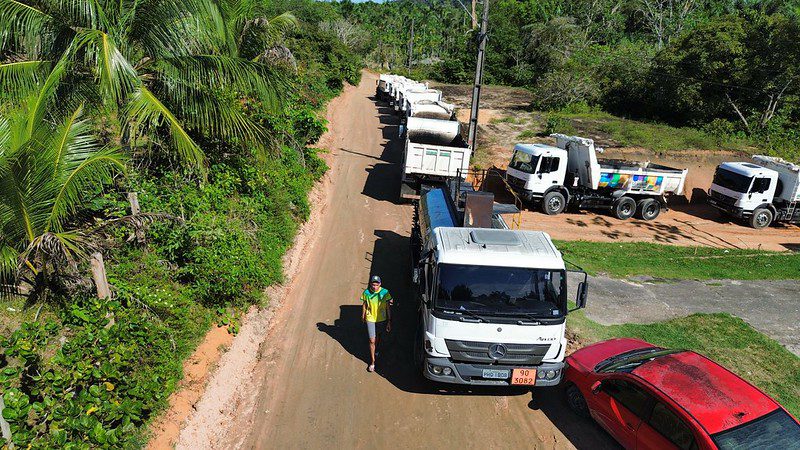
(426, 109)
(412, 96)
(493, 301)
(401, 89)
(761, 193)
(384, 85)
(570, 174)
(434, 152)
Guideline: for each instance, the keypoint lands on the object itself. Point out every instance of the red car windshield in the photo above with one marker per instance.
(774, 430)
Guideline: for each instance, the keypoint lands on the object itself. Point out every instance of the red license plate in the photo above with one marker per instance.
(523, 376)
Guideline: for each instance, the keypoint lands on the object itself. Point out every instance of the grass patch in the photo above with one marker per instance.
(626, 259)
(724, 338)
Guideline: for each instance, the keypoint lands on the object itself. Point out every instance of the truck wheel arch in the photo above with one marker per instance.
(564, 191)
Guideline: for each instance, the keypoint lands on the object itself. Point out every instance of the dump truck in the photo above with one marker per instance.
(492, 301)
(434, 152)
(384, 83)
(569, 174)
(400, 89)
(763, 192)
(411, 96)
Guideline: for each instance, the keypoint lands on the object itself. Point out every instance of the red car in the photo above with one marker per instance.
(649, 397)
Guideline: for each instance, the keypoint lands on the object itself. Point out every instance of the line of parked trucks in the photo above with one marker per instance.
(493, 301)
(570, 174)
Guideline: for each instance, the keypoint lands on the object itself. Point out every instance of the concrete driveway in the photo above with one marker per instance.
(771, 307)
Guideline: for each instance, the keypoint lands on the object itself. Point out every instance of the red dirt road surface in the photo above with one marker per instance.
(316, 391)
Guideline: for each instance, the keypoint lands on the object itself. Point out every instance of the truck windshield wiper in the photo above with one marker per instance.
(469, 313)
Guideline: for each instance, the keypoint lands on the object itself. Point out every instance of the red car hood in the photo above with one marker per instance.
(588, 357)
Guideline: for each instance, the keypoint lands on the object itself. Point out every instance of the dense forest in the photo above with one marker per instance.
(170, 140)
(729, 67)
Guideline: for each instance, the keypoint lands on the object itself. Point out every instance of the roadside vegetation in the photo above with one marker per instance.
(205, 109)
(626, 259)
(724, 338)
(721, 74)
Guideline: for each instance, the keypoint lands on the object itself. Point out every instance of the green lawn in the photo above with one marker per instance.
(726, 339)
(668, 261)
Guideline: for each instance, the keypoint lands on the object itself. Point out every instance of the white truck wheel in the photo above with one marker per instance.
(624, 208)
(648, 209)
(761, 218)
(553, 203)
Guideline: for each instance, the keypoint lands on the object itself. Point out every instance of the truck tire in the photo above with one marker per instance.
(761, 218)
(624, 208)
(648, 209)
(553, 203)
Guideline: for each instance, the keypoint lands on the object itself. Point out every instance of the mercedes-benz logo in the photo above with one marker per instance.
(497, 351)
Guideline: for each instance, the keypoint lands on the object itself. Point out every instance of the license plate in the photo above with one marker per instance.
(495, 374)
(523, 376)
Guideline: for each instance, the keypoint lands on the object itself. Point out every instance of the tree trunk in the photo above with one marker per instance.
(99, 276)
(138, 233)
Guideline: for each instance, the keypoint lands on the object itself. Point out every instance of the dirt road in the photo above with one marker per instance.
(317, 392)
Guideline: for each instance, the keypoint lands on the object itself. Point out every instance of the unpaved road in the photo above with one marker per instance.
(317, 392)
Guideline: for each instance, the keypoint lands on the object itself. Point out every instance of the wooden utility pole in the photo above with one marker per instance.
(411, 46)
(474, 17)
(476, 90)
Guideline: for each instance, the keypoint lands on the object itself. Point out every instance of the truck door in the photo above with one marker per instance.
(547, 174)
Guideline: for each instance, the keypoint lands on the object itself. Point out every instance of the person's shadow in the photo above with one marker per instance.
(349, 331)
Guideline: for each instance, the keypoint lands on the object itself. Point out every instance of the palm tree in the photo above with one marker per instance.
(160, 67)
(46, 171)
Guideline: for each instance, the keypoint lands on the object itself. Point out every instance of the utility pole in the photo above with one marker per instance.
(474, 17)
(411, 46)
(476, 90)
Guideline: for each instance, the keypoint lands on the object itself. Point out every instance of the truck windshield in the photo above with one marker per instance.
(524, 162)
(732, 180)
(774, 430)
(502, 290)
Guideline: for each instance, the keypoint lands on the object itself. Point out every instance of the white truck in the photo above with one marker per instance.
(434, 152)
(493, 301)
(761, 193)
(427, 109)
(402, 88)
(384, 85)
(570, 174)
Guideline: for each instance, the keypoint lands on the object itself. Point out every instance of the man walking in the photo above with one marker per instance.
(376, 312)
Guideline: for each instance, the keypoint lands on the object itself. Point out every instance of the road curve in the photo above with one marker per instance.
(317, 392)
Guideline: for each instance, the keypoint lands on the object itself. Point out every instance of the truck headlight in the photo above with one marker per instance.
(447, 371)
(437, 370)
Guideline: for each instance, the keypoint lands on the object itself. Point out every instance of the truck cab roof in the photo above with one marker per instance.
(748, 169)
(496, 247)
(539, 149)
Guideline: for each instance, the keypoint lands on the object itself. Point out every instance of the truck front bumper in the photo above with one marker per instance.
(466, 373)
(728, 209)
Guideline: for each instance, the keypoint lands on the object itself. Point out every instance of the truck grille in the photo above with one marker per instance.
(722, 198)
(481, 352)
(514, 181)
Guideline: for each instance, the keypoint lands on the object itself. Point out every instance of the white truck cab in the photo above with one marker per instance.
(538, 166)
(493, 301)
(760, 192)
(570, 173)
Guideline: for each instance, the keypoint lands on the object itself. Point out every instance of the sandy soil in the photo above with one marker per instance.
(690, 220)
(315, 389)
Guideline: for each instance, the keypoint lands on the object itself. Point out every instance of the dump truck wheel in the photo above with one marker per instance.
(761, 218)
(624, 208)
(648, 209)
(553, 203)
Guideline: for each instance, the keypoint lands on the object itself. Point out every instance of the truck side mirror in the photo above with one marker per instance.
(583, 292)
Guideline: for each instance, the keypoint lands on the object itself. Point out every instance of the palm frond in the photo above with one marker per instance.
(21, 23)
(248, 78)
(145, 110)
(116, 75)
(95, 170)
(18, 79)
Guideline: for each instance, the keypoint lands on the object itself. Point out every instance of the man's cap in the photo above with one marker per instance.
(375, 279)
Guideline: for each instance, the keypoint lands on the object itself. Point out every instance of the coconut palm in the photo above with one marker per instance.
(46, 171)
(162, 68)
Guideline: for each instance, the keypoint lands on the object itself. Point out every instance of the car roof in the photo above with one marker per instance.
(717, 398)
